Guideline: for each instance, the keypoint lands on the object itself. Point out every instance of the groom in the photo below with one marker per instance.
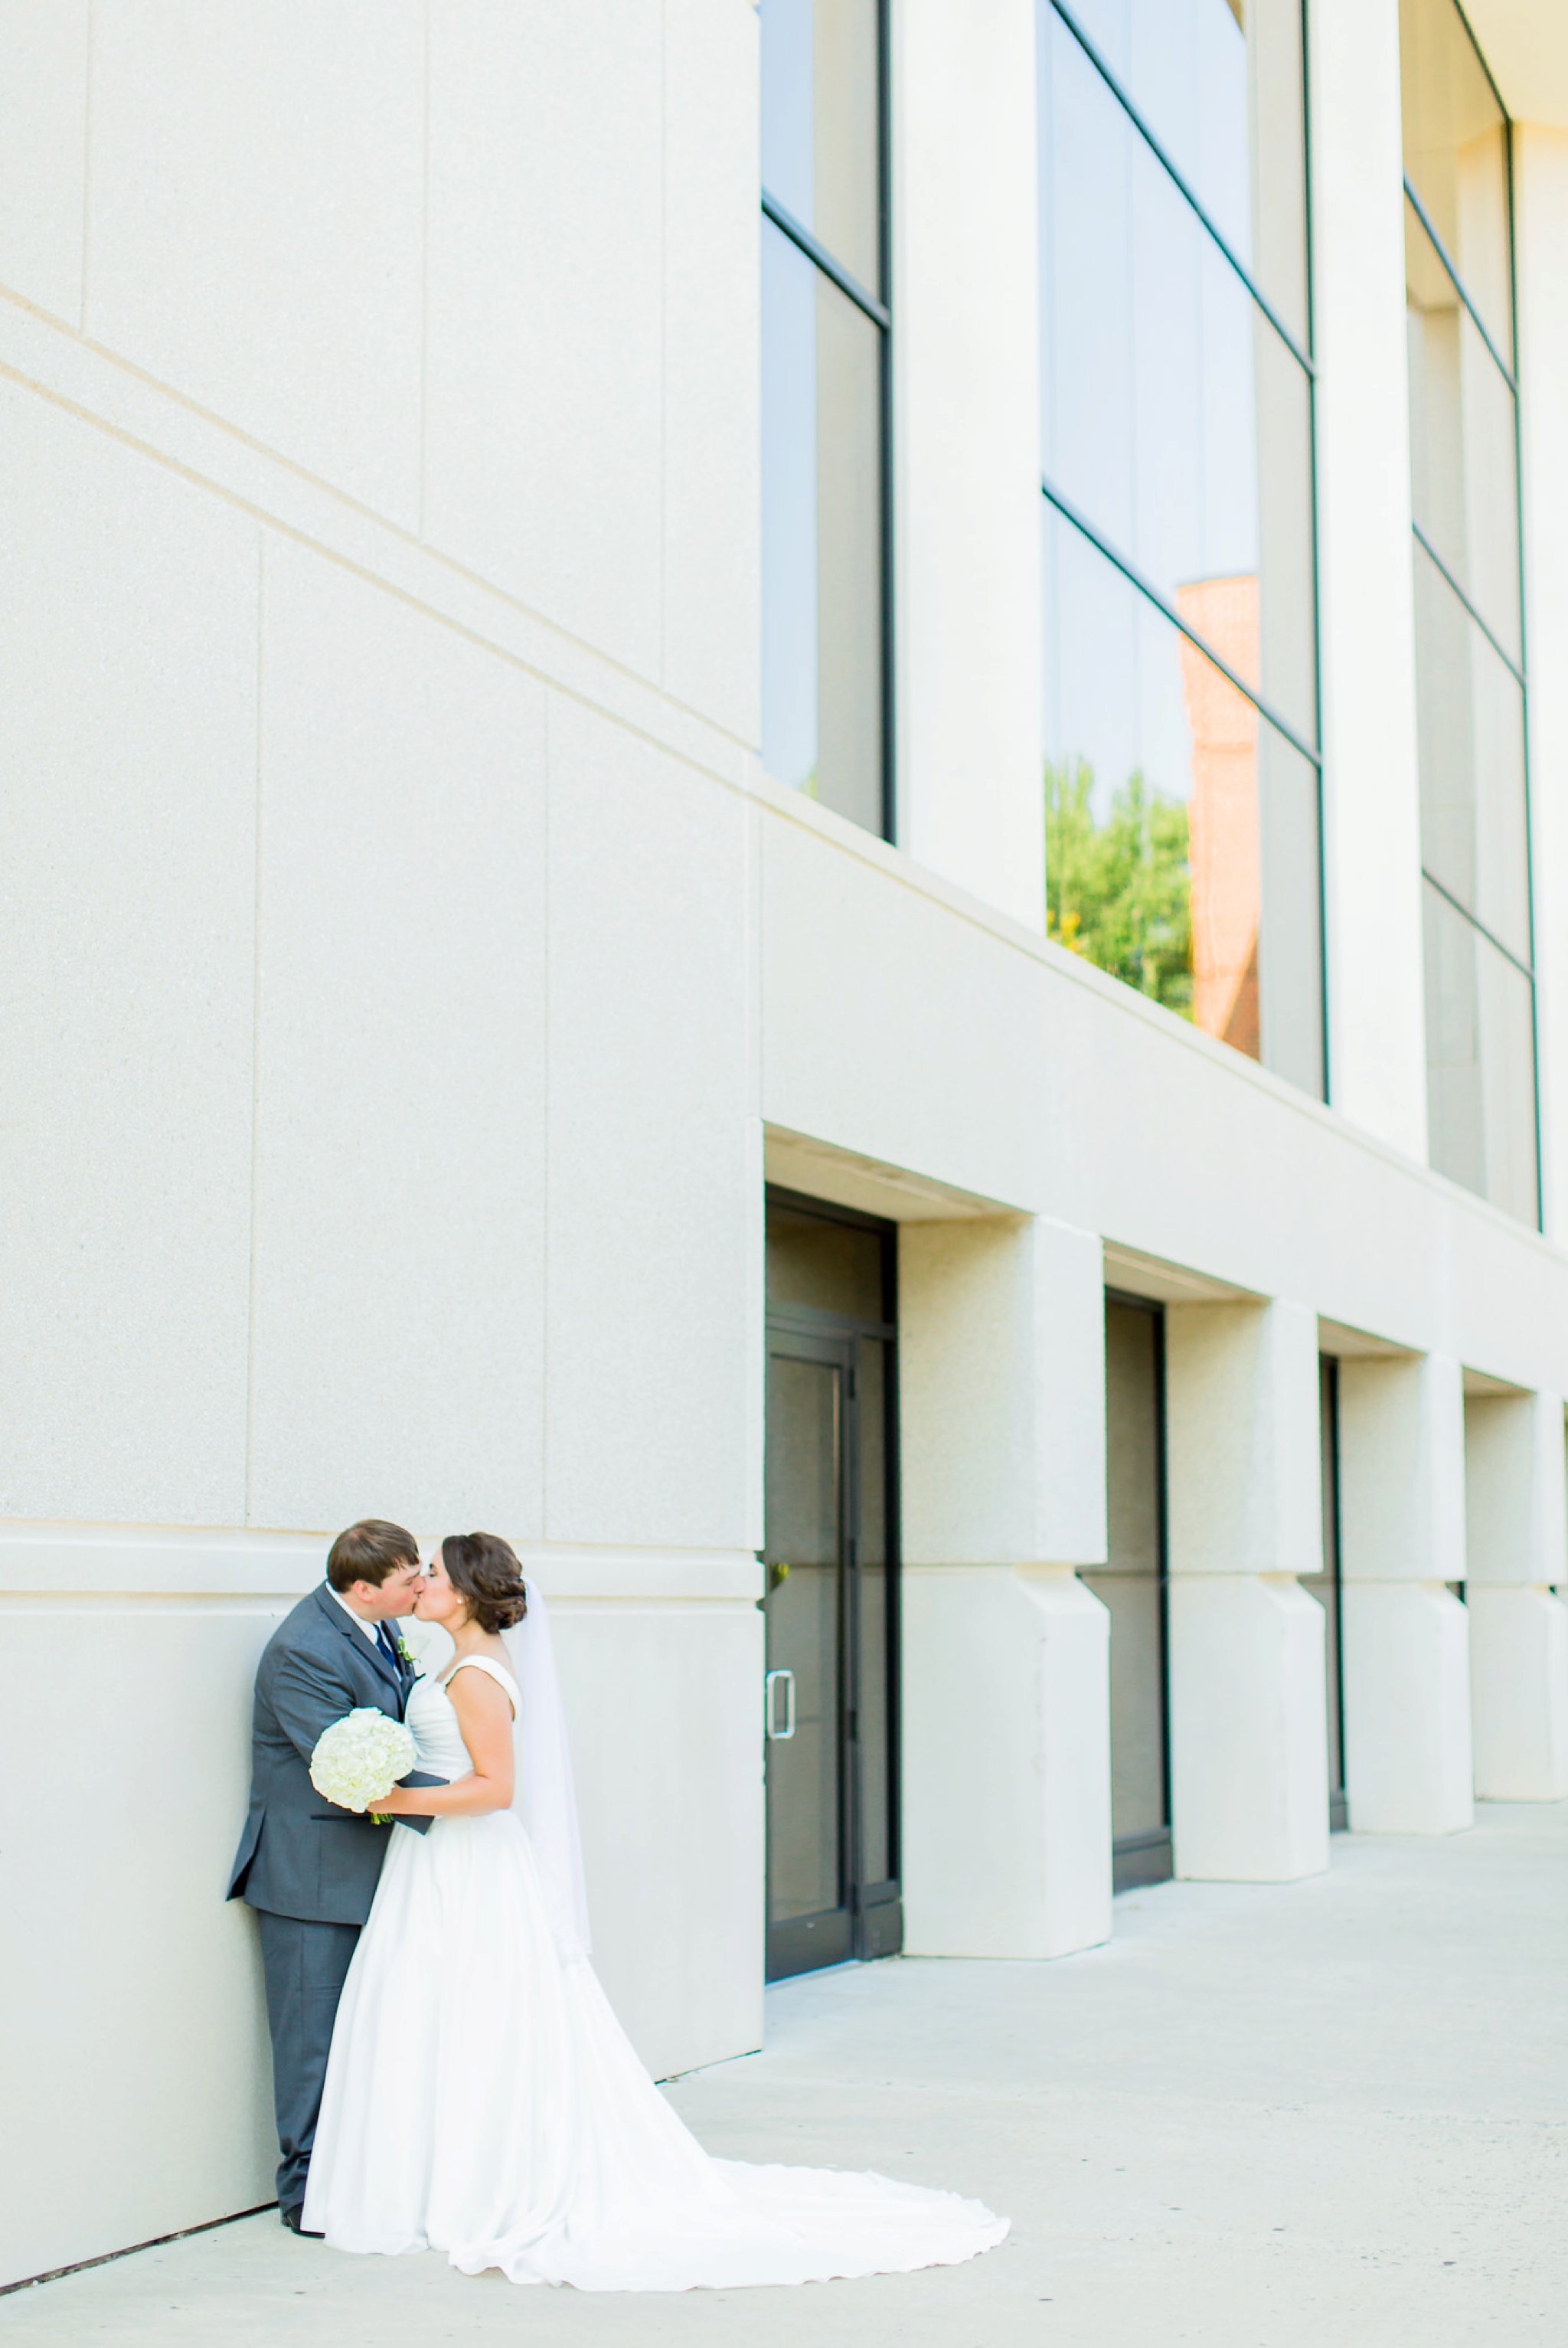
(308, 1868)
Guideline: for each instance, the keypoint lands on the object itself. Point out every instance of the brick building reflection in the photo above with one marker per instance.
(1224, 851)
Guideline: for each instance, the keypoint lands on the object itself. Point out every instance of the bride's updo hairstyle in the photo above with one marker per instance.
(482, 1570)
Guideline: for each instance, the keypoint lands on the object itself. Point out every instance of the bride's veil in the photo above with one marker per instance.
(544, 1799)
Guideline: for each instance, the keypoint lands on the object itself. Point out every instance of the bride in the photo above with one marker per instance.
(481, 2098)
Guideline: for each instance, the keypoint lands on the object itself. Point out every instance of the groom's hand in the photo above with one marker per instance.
(420, 1826)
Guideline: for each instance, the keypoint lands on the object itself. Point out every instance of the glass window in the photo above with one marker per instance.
(1176, 813)
(1172, 412)
(1469, 710)
(825, 371)
(1481, 1062)
(1464, 476)
(1219, 84)
(1456, 156)
(821, 110)
(822, 537)
(1470, 649)
(1182, 849)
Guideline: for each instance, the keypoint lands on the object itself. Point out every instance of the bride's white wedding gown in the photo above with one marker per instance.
(483, 2100)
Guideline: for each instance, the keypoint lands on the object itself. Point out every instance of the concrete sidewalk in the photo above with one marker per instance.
(1333, 2114)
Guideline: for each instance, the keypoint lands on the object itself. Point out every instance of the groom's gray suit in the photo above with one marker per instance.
(309, 1869)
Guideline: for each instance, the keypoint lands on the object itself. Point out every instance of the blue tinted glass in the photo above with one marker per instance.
(1464, 478)
(820, 115)
(1480, 1064)
(789, 511)
(1172, 411)
(1470, 711)
(1219, 83)
(822, 537)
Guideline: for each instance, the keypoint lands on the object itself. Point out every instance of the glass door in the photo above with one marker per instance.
(829, 1706)
(1133, 1584)
(1325, 1588)
(809, 1920)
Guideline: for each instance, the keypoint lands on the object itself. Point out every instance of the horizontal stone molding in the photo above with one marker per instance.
(51, 1562)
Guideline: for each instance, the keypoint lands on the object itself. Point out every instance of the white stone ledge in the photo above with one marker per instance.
(49, 1562)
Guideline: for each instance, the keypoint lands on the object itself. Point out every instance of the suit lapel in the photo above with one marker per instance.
(369, 1648)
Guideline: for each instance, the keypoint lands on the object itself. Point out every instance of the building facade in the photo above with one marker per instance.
(787, 805)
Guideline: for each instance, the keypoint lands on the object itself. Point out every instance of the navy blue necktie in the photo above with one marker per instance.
(388, 1645)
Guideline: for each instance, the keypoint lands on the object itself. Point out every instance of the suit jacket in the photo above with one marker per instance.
(300, 1855)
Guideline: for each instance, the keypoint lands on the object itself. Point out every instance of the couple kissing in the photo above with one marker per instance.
(447, 2072)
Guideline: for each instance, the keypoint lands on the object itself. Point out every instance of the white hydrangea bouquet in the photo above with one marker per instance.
(359, 1759)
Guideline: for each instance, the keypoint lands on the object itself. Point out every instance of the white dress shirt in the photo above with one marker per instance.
(357, 1619)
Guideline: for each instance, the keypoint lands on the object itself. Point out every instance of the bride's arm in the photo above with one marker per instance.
(307, 1698)
(484, 1717)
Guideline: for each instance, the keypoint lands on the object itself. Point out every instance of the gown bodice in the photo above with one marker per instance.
(432, 1717)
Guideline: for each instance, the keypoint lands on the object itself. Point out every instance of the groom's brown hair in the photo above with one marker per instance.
(369, 1551)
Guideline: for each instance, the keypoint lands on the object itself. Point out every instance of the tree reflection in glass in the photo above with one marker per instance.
(1181, 820)
(1181, 827)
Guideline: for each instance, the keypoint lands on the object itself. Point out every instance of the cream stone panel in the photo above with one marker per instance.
(1003, 1393)
(1006, 1762)
(652, 1155)
(1519, 1692)
(1372, 818)
(1249, 1778)
(1506, 1294)
(1401, 1470)
(255, 229)
(43, 151)
(1005, 1653)
(1247, 1708)
(712, 498)
(1516, 1500)
(1516, 1490)
(400, 1153)
(965, 354)
(888, 1027)
(545, 324)
(665, 1711)
(137, 2080)
(127, 610)
(1406, 1638)
(1409, 1759)
(1241, 1417)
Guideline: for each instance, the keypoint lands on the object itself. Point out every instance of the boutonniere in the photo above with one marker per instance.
(408, 1656)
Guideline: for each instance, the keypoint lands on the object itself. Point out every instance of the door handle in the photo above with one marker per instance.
(772, 1682)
